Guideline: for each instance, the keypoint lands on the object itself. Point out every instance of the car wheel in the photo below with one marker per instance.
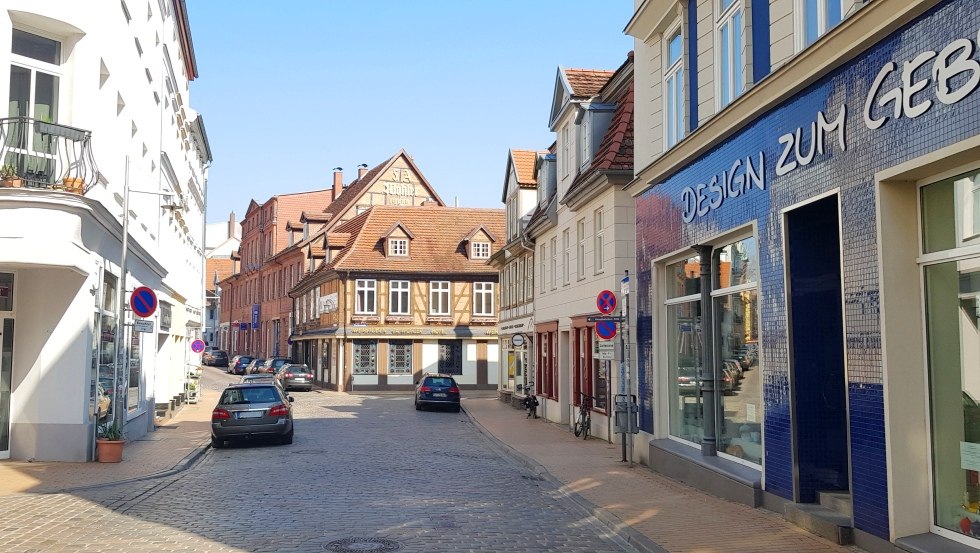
(418, 406)
(216, 443)
(287, 439)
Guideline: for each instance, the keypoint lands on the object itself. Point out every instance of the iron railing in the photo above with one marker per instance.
(47, 155)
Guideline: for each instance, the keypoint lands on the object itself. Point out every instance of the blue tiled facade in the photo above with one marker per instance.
(661, 230)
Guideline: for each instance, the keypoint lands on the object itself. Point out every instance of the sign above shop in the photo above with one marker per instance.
(517, 340)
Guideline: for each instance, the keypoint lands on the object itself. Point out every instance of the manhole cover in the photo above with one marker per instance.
(357, 545)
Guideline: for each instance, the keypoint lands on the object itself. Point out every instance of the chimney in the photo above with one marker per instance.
(338, 181)
(231, 225)
(362, 170)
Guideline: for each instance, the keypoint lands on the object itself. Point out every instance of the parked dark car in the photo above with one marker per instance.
(252, 411)
(219, 359)
(437, 389)
(241, 362)
(253, 366)
(272, 365)
(295, 375)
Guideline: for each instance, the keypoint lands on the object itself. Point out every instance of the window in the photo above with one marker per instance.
(529, 279)
(818, 17)
(398, 246)
(399, 357)
(483, 299)
(597, 248)
(684, 345)
(398, 297)
(566, 256)
(544, 255)
(674, 90)
(439, 297)
(365, 302)
(564, 151)
(450, 356)
(580, 254)
(35, 71)
(365, 355)
(554, 263)
(480, 250)
(518, 275)
(732, 81)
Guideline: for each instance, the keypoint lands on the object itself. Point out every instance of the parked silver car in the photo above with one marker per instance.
(249, 411)
(295, 375)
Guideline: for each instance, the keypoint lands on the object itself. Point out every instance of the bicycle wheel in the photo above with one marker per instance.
(586, 428)
(578, 428)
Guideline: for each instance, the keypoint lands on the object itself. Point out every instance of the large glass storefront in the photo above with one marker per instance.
(951, 227)
(736, 338)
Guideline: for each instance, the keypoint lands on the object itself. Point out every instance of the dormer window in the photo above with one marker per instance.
(398, 247)
(480, 250)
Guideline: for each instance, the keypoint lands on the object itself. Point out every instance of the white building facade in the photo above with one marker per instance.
(97, 114)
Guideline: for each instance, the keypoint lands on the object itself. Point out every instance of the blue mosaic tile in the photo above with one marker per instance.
(661, 230)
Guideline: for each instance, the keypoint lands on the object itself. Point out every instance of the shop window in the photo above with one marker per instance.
(674, 89)
(547, 363)
(731, 81)
(400, 357)
(684, 350)
(952, 308)
(365, 353)
(6, 292)
(450, 357)
(365, 297)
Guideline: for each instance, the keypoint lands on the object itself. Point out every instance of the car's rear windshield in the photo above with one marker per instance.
(279, 362)
(438, 381)
(244, 359)
(243, 396)
(255, 380)
(297, 369)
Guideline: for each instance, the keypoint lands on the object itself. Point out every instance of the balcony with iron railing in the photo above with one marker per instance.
(37, 154)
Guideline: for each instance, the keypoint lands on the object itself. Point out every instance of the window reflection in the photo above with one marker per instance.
(741, 431)
(684, 373)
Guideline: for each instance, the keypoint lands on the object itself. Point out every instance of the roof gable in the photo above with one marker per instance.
(561, 96)
(480, 234)
(520, 165)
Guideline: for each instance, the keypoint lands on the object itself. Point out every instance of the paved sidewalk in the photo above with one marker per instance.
(172, 447)
(655, 512)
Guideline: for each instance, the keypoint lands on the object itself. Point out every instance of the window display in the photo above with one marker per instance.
(684, 350)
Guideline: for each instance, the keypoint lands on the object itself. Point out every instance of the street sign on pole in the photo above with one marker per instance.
(142, 325)
(624, 286)
(143, 302)
(606, 318)
(197, 346)
(605, 329)
(606, 302)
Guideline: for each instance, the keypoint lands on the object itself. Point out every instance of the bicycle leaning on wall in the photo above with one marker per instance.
(583, 425)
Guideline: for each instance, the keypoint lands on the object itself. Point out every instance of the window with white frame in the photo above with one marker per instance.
(519, 274)
(566, 256)
(597, 247)
(398, 246)
(439, 297)
(580, 253)
(365, 297)
(398, 297)
(564, 151)
(554, 263)
(542, 264)
(35, 76)
(731, 81)
(529, 279)
(483, 299)
(674, 89)
(480, 250)
(818, 16)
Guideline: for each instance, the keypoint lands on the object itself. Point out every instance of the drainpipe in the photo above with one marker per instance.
(709, 374)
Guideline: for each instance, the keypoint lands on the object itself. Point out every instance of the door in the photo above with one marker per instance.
(816, 339)
(6, 358)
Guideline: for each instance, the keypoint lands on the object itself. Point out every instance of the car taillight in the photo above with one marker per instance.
(278, 411)
(425, 389)
(219, 414)
(288, 375)
(454, 390)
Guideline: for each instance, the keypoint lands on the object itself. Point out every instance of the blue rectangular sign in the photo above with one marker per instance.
(255, 316)
(242, 326)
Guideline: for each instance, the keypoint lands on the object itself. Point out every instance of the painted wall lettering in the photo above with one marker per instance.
(700, 199)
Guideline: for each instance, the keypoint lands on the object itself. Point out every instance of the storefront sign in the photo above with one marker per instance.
(520, 325)
(421, 331)
(953, 73)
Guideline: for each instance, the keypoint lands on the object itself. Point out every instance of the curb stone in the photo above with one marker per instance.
(614, 524)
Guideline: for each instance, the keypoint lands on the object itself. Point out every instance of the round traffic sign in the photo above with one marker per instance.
(517, 340)
(606, 302)
(605, 329)
(197, 346)
(143, 301)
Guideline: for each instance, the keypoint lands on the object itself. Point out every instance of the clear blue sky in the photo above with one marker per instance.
(289, 90)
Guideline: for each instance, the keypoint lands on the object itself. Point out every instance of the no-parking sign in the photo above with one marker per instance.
(143, 302)
(197, 346)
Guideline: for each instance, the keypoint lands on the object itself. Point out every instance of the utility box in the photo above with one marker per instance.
(626, 408)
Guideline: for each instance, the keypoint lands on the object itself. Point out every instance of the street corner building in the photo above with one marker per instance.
(808, 254)
(404, 290)
(98, 136)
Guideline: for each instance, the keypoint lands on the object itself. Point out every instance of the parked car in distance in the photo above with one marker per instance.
(252, 411)
(295, 375)
(437, 389)
(103, 401)
(219, 358)
(240, 363)
(260, 379)
(272, 365)
(206, 355)
(253, 365)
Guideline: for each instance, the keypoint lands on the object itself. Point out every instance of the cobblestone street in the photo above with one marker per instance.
(360, 468)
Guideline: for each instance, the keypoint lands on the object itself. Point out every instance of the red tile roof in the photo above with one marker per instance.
(220, 266)
(587, 82)
(524, 167)
(616, 149)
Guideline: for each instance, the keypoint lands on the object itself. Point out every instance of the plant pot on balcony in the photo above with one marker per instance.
(13, 182)
(74, 185)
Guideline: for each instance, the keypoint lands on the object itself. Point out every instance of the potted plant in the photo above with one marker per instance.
(74, 184)
(110, 443)
(9, 178)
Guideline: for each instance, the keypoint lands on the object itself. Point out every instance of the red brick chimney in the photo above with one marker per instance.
(338, 181)
(361, 170)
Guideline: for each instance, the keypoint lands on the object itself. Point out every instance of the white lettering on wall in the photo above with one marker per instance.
(700, 199)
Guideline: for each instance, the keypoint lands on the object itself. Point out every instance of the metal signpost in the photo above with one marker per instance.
(606, 330)
(625, 291)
